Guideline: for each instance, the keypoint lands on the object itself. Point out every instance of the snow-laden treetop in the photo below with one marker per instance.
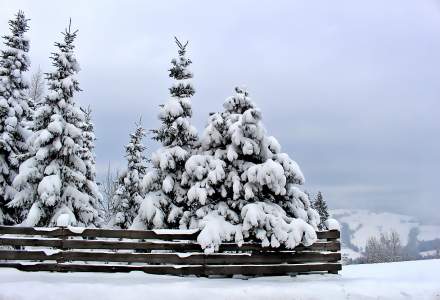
(18, 26)
(243, 186)
(52, 183)
(14, 61)
(175, 114)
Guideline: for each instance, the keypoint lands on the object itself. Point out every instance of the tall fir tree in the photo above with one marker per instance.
(129, 192)
(321, 206)
(14, 111)
(87, 153)
(165, 200)
(51, 183)
(243, 186)
(88, 144)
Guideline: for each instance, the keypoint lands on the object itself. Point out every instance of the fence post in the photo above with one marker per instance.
(333, 240)
(64, 235)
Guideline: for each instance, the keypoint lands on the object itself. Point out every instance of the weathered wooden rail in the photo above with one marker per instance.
(158, 252)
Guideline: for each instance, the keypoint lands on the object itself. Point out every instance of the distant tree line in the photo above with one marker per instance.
(387, 247)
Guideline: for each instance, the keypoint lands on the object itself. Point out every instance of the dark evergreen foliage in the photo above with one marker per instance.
(321, 206)
(52, 184)
(128, 195)
(14, 111)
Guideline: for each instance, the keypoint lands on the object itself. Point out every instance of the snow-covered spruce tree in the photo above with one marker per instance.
(88, 144)
(321, 207)
(14, 111)
(165, 201)
(87, 154)
(129, 193)
(243, 186)
(51, 183)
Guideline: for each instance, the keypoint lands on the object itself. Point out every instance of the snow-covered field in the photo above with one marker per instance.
(403, 280)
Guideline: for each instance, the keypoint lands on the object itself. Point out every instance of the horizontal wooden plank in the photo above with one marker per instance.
(98, 244)
(270, 270)
(329, 234)
(50, 232)
(174, 258)
(225, 270)
(147, 246)
(122, 233)
(166, 235)
(138, 234)
(173, 246)
(37, 242)
(318, 246)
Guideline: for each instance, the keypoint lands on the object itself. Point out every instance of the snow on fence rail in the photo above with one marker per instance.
(175, 252)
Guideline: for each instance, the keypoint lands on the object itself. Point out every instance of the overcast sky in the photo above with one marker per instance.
(351, 89)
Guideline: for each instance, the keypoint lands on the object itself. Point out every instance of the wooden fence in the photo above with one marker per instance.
(157, 252)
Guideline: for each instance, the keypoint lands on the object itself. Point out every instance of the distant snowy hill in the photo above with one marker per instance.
(358, 225)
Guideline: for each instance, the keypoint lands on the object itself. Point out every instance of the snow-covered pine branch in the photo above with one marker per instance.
(165, 203)
(129, 192)
(52, 183)
(14, 111)
(243, 186)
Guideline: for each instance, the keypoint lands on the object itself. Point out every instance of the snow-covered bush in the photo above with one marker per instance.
(332, 224)
(243, 186)
(129, 193)
(14, 112)
(165, 203)
(385, 248)
(54, 181)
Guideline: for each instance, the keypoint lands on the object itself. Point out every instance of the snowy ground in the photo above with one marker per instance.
(404, 280)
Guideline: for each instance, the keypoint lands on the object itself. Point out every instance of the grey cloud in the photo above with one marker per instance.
(350, 89)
